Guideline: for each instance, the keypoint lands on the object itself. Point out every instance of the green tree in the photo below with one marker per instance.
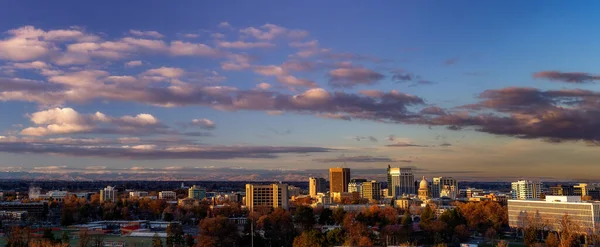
(338, 215)
(305, 217)
(326, 217)
(65, 239)
(189, 240)
(66, 217)
(427, 217)
(407, 220)
(156, 242)
(174, 234)
(310, 238)
(335, 237)
(48, 235)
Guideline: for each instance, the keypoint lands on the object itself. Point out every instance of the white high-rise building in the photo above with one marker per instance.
(439, 183)
(273, 195)
(196, 192)
(584, 215)
(108, 194)
(403, 182)
(526, 189)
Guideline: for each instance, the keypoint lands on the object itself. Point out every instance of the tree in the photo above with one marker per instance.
(48, 234)
(305, 217)
(326, 217)
(461, 232)
(491, 234)
(552, 240)
(156, 242)
(189, 240)
(174, 234)
(502, 243)
(65, 239)
(18, 237)
(84, 238)
(217, 232)
(407, 220)
(427, 217)
(310, 238)
(335, 237)
(530, 236)
(338, 215)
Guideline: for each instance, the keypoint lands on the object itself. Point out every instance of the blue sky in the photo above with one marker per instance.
(187, 89)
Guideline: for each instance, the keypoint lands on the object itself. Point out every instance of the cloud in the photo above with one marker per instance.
(204, 123)
(244, 44)
(263, 86)
(355, 159)
(180, 48)
(553, 115)
(149, 152)
(568, 77)
(404, 144)
(445, 144)
(334, 116)
(132, 64)
(152, 34)
(451, 61)
(166, 72)
(59, 121)
(224, 25)
(370, 138)
(353, 76)
(265, 32)
(191, 35)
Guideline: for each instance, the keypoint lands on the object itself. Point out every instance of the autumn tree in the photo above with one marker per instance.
(65, 239)
(278, 227)
(569, 232)
(461, 232)
(310, 238)
(189, 240)
(552, 240)
(18, 237)
(503, 243)
(338, 215)
(217, 232)
(530, 236)
(357, 233)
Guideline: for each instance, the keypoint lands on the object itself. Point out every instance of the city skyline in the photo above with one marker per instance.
(263, 91)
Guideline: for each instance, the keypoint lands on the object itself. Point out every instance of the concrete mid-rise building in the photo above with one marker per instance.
(403, 182)
(138, 194)
(196, 192)
(338, 179)
(371, 190)
(316, 186)
(438, 183)
(108, 194)
(526, 189)
(584, 215)
(355, 185)
(167, 195)
(272, 195)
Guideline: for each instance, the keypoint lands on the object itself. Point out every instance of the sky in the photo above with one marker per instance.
(264, 90)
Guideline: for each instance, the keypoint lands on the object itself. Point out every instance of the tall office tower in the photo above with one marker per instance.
(525, 189)
(355, 185)
(339, 179)
(389, 181)
(438, 185)
(562, 190)
(371, 190)
(403, 182)
(272, 195)
(316, 185)
(108, 194)
(196, 192)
